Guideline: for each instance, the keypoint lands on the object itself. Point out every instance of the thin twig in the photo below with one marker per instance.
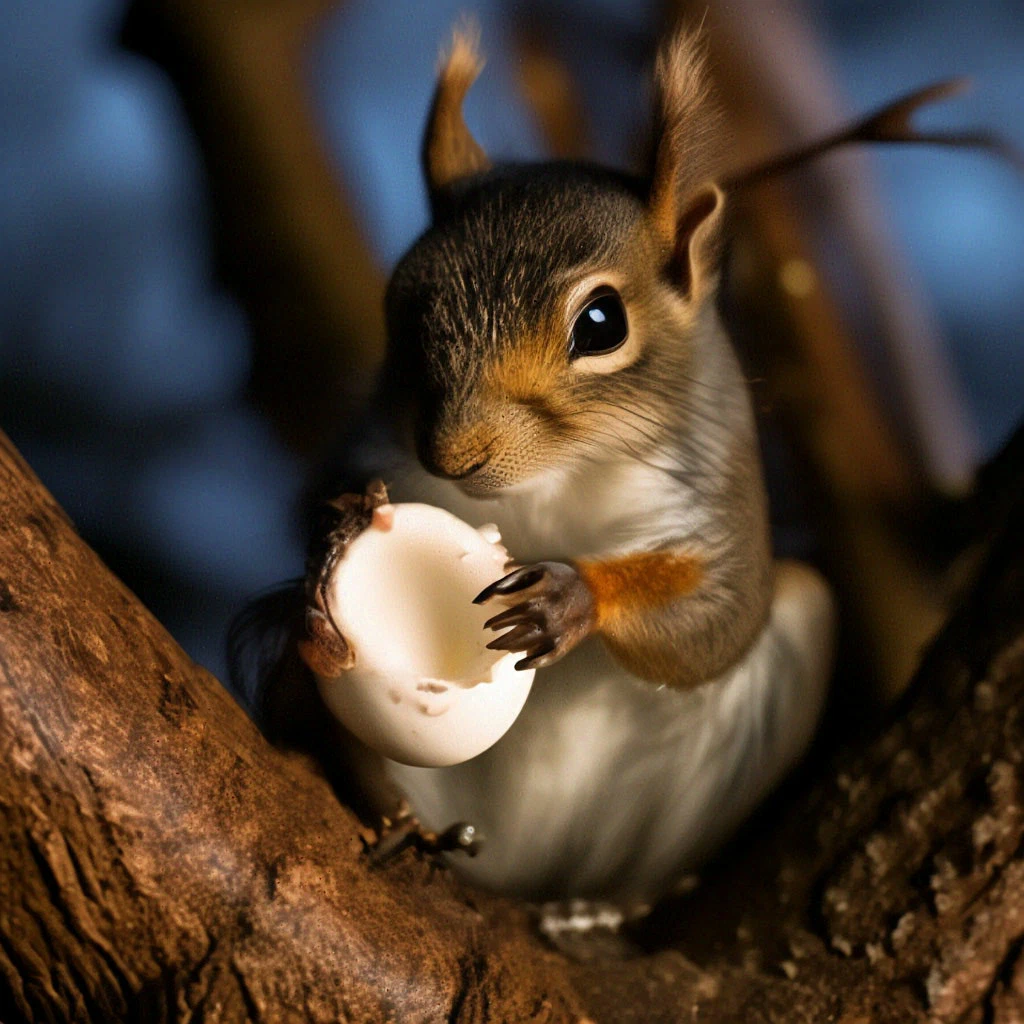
(891, 123)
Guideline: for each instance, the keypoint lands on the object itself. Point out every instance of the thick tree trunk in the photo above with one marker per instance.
(161, 862)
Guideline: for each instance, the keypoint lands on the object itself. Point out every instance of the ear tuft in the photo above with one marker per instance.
(462, 61)
(449, 151)
(684, 205)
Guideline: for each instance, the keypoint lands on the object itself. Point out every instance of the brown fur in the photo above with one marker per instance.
(640, 582)
(449, 151)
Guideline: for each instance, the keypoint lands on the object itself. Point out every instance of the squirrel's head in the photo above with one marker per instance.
(539, 320)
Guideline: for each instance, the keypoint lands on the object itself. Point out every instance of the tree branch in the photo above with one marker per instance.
(162, 862)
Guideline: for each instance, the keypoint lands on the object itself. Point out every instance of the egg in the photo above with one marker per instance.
(424, 689)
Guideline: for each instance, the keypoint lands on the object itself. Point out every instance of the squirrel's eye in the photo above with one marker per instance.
(601, 325)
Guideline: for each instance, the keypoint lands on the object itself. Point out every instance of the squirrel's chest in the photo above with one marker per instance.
(601, 510)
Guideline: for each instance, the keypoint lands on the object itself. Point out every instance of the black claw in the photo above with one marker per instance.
(525, 612)
(510, 584)
(536, 658)
(461, 836)
(377, 492)
(515, 639)
(543, 660)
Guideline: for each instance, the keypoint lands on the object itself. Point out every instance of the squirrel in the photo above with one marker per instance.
(557, 366)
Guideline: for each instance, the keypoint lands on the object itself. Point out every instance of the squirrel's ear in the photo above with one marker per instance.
(685, 205)
(449, 151)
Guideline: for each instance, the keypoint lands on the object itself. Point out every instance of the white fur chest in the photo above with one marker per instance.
(596, 509)
(607, 787)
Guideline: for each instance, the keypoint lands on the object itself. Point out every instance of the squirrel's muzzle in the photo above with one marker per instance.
(484, 449)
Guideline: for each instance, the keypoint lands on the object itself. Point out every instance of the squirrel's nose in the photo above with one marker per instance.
(449, 459)
(465, 471)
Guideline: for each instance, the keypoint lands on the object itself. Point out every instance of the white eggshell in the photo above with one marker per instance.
(424, 689)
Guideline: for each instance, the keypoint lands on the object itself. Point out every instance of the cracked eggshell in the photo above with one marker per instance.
(424, 689)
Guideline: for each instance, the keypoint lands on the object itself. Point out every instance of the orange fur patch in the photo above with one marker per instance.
(527, 372)
(646, 580)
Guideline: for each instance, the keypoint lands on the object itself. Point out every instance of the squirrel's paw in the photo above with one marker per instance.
(404, 832)
(344, 518)
(557, 613)
(341, 520)
(324, 650)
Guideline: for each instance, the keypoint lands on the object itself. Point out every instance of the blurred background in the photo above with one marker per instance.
(199, 204)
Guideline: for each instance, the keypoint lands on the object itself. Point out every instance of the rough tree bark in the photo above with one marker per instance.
(161, 862)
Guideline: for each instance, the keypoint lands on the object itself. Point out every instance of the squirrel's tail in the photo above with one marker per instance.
(260, 641)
